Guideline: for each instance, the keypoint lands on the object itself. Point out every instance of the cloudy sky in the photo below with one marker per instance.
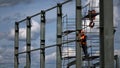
(16, 10)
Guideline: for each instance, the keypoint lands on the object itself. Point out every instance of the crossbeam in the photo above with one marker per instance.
(46, 47)
(45, 10)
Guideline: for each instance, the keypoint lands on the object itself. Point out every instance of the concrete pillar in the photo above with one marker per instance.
(78, 27)
(28, 43)
(42, 40)
(59, 36)
(16, 45)
(106, 34)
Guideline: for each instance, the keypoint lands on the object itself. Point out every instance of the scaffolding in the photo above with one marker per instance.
(68, 48)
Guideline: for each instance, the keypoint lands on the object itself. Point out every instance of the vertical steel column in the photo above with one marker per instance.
(106, 34)
(42, 40)
(78, 27)
(117, 61)
(16, 45)
(59, 36)
(28, 42)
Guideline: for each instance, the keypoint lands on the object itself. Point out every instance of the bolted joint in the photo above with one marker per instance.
(16, 54)
(17, 30)
(59, 14)
(28, 44)
(43, 41)
(43, 21)
(42, 12)
(59, 4)
(16, 27)
(28, 21)
(28, 51)
(16, 23)
(43, 16)
(42, 49)
(16, 48)
(28, 26)
(59, 36)
(59, 45)
(79, 7)
(28, 18)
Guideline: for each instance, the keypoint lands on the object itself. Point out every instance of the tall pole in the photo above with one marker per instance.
(78, 27)
(106, 34)
(28, 43)
(16, 45)
(59, 36)
(42, 40)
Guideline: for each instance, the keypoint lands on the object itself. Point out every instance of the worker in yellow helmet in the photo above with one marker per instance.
(83, 41)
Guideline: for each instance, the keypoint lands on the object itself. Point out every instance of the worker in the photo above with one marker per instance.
(91, 14)
(83, 41)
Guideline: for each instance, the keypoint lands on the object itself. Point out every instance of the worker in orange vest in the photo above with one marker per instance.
(83, 41)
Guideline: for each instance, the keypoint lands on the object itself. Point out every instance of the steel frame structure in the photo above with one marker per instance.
(42, 38)
(106, 36)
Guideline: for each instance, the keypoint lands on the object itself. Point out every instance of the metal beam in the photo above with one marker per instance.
(48, 46)
(71, 63)
(45, 10)
(42, 40)
(28, 43)
(78, 27)
(106, 34)
(59, 36)
(16, 45)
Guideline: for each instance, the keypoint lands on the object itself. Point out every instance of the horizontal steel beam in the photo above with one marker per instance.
(45, 10)
(46, 47)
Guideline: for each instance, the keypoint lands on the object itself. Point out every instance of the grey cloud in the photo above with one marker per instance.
(13, 18)
(4, 3)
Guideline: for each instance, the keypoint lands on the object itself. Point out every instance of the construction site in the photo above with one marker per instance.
(97, 23)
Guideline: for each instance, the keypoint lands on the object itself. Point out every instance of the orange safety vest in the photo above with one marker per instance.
(83, 40)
